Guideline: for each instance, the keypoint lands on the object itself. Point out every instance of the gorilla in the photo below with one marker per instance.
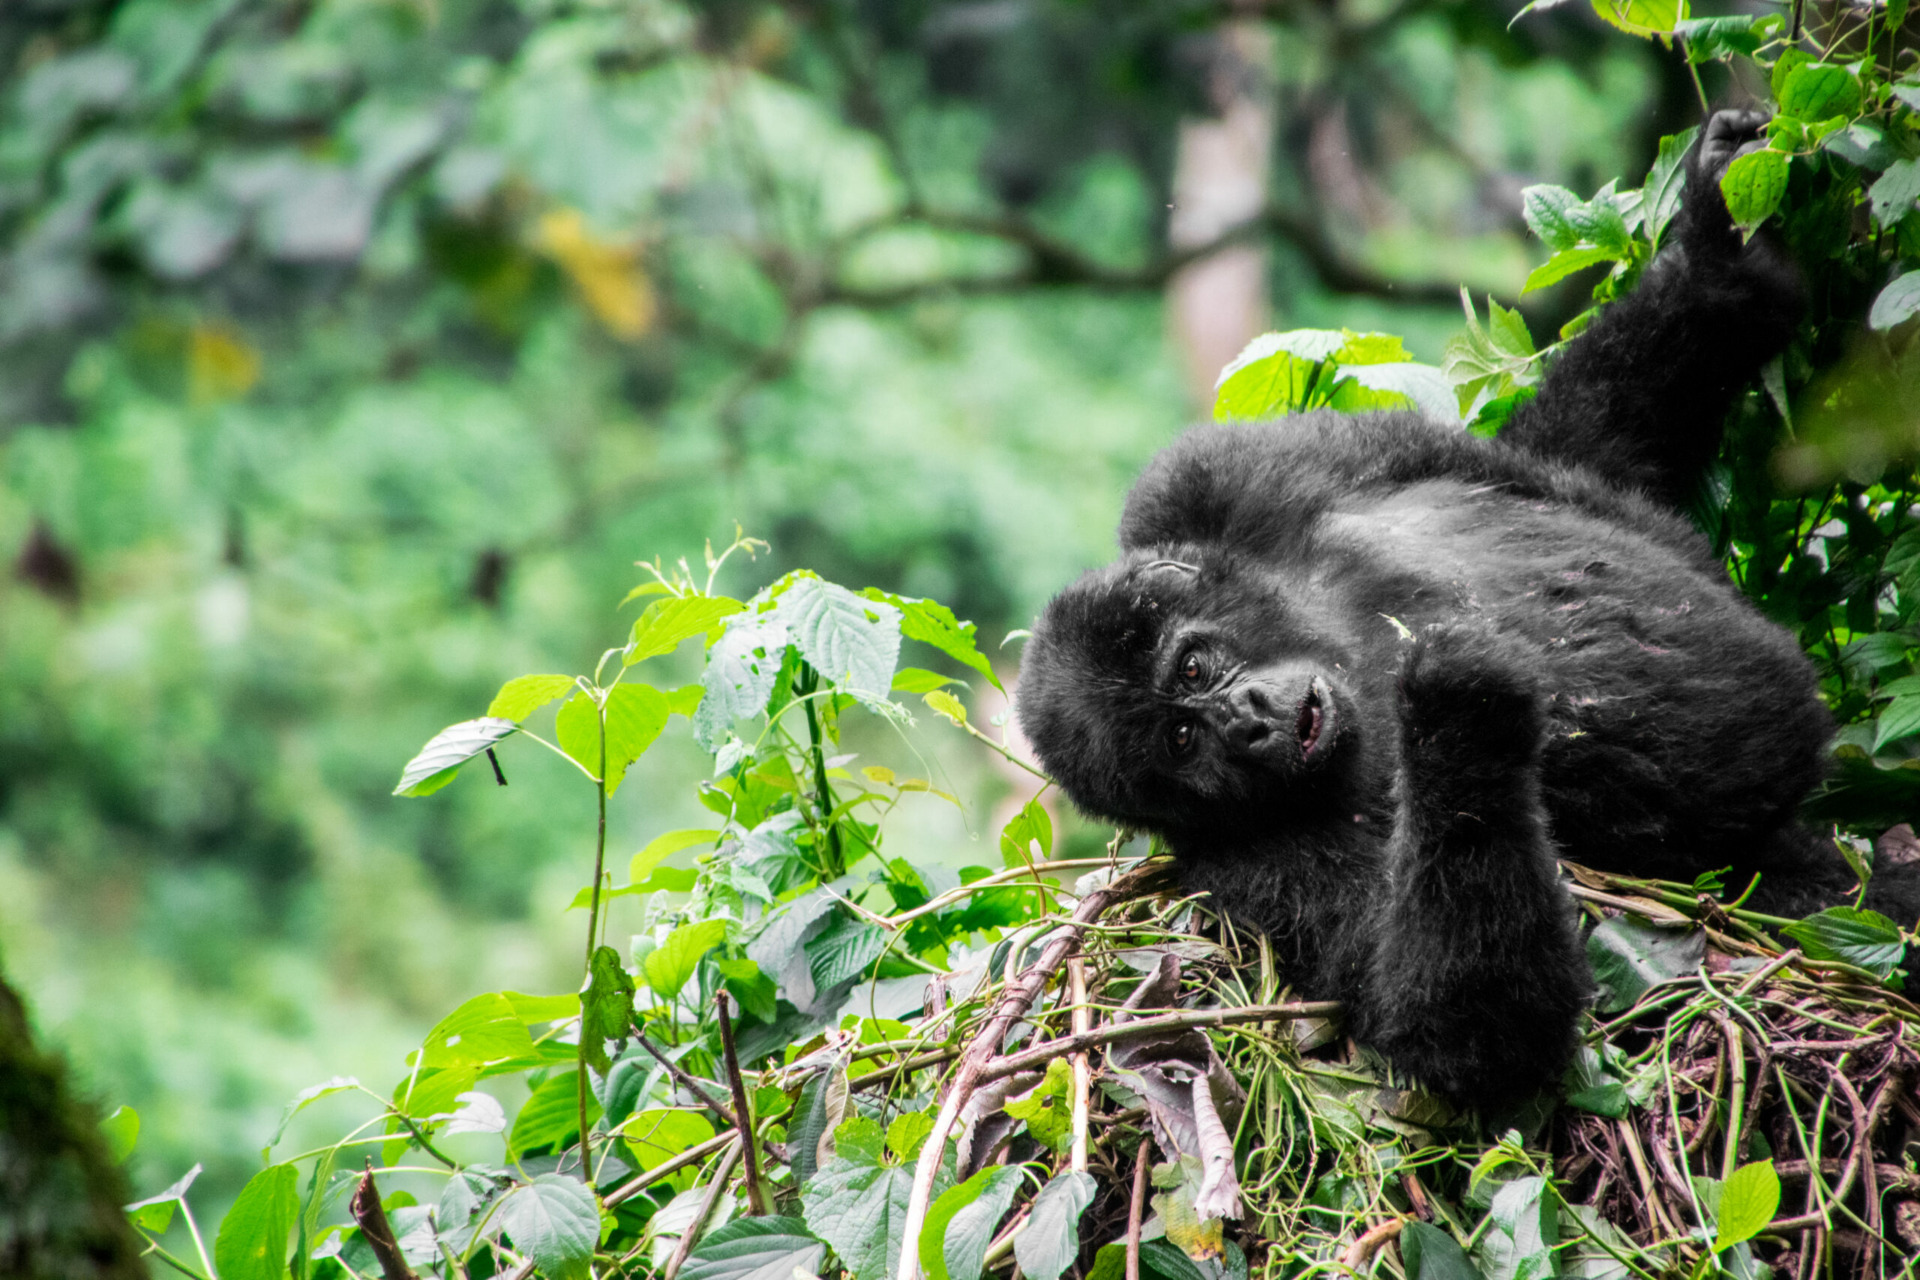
(1368, 676)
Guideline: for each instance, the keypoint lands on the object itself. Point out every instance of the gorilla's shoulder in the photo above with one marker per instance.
(1264, 484)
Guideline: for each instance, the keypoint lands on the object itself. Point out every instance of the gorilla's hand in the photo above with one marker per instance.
(1704, 223)
(1472, 720)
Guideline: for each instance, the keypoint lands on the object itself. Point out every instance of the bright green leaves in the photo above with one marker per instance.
(1666, 183)
(447, 750)
(1740, 35)
(857, 1201)
(254, 1235)
(1281, 373)
(1893, 196)
(933, 624)
(1753, 186)
(555, 1221)
(669, 965)
(120, 1129)
(549, 1119)
(1581, 233)
(636, 713)
(1748, 1201)
(1492, 366)
(1901, 719)
(853, 642)
(606, 1006)
(522, 696)
(959, 1225)
(666, 623)
(483, 1031)
(741, 668)
(1864, 939)
(1630, 958)
(1046, 1107)
(1646, 18)
(1028, 832)
(756, 1249)
(155, 1213)
(1051, 1241)
(1523, 1232)
(1814, 91)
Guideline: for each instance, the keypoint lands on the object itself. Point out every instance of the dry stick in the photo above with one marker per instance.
(1417, 1195)
(1014, 1001)
(682, 1077)
(372, 1217)
(691, 1235)
(1361, 1251)
(1137, 1207)
(1082, 1068)
(1656, 1208)
(1039, 1055)
(666, 1169)
(1737, 1097)
(756, 1194)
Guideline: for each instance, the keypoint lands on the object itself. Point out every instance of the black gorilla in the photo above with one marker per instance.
(1368, 675)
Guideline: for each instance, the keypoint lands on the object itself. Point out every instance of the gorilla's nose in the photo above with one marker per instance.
(1252, 724)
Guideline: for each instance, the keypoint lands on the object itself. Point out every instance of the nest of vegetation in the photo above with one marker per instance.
(1744, 1105)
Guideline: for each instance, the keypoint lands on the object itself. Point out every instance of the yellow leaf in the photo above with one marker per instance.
(608, 275)
(220, 364)
(947, 705)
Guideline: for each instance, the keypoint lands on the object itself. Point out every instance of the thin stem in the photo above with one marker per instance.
(1137, 1206)
(823, 791)
(593, 930)
(199, 1245)
(685, 1080)
(757, 1201)
(715, 1190)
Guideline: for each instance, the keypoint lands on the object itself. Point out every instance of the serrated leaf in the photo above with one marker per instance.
(821, 1110)
(1753, 186)
(1630, 958)
(447, 750)
(636, 713)
(659, 1135)
(741, 669)
(1666, 182)
(853, 642)
(1819, 91)
(1894, 192)
(1897, 302)
(908, 1133)
(1565, 263)
(1421, 386)
(477, 1113)
(120, 1129)
(522, 696)
(960, 1224)
(668, 623)
(843, 951)
(1736, 36)
(933, 623)
(1646, 18)
(1046, 1107)
(1273, 374)
(1747, 1203)
(555, 1221)
(754, 990)
(549, 1119)
(669, 965)
(1865, 939)
(606, 1006)
(917, 680)
(1525, 1229)
(859, 1206)
(1051, 1241)
(253, 1239)
(1545, 206)
(756, 1249)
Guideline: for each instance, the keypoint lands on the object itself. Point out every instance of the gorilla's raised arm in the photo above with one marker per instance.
(1641, 396)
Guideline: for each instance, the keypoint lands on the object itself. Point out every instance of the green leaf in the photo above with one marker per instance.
(1666, 181)
(755, 991)
(844, 950)
(665, 846)
(1747, 1203)
(1864, 939)
(1024, 831)
(859, 1206)
(1819, 91)
(1900, 719)
(1045, 1107)
(959, 1226)
(1428, 1253)
(636, 713)
(853, 642)
(1737, 36)
(669, 965)
(741, 668)
(1401, 384)
(756, 1249)
(917, 680)
(821, 1110)
(120, 1129)
(254, 1235)
(1784, 66)
(1565, 263)
(606, 1007)
(1897, 302)
(1525, 1229)
(1893, 194)
(155, 1213)
(1273, 374)
(659, 1135)
(1591, 1087)
(933, 623)
(1545, 206)
(483, 1030)
(522, 696)
(947, 705)
(1646, 18)
(338, 1084)
(685, 701)
(1051, 1241)
(1630, 958)
(447, 750)
(667, 623)
(549, 1119)
(908, 1133)
(1753, 186)
(555, 1221)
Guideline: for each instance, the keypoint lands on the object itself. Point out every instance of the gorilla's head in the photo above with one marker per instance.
(1169, 692)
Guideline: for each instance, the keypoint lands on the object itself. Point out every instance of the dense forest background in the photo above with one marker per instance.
(351, 352)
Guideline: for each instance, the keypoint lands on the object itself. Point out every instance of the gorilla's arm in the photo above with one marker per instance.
(1641, 396)
(1477, 976)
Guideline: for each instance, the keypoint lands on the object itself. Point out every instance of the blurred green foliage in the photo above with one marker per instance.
(354, 348)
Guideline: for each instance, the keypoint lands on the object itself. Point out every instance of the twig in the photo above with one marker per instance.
(372, 1217)
(666, 1169)
(684, 1078)
(1417, 1195)
(1656, 1208)
(1658, 912)
(1361, 1251)
(1767, 970)
(1736, 1100)
(691, 1236)
(1137, 1207)
(757, 1202)
(1082, 1068)
(1187, 1019)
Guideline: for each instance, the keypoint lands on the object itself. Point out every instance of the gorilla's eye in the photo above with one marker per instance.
(1181, 738)
(1190, 668)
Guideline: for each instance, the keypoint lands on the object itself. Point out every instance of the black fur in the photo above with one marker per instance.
(1369, 676)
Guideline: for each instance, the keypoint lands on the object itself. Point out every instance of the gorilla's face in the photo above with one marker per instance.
(1166, 692)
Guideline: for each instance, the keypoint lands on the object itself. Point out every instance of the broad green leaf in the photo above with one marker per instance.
(577, 729)
(463, 1208)
(1179, 1181)
(606, 1006)
(1753, 186)
(853, 642)
(821, 1110)
(532, 1009)
(844, 950)
(1051, 1241)
(1865, 939)
(659, 1135)
(1273, 374)
(549, 1119)
(522, 696)
(1047, 1108)
(155, 1213)
(754, 990)
(667, 623)
(861, 1140)
(860, 1208)
(1790, 60)
(447, 750)
(1897, 302)
(960, 1224)
(1900, 719)
(685, 701)
(665, 846)
(670, 964)
(555, 1221)
(1428, 1253)
(917, 680)
(933, 623)
(1565, 263)
(254, 1235)
(1525, 1229)
(1591, 1087)
(947, 705)
(908, 1133)
(741, 668)
(1747, 1203)
(310, 1094)
(1599, 222)
(1666, 182)
(1646, 18)
(1736, 36)
(756, 1249)
(483, 1030)
(1419, 386)
(1545, 206)
(1819, 91)
(636, 713)
(121, 1129)
(1026, 831)
(1630, 958)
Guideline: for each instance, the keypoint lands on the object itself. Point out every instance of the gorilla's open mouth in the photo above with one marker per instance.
(1313, 721)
